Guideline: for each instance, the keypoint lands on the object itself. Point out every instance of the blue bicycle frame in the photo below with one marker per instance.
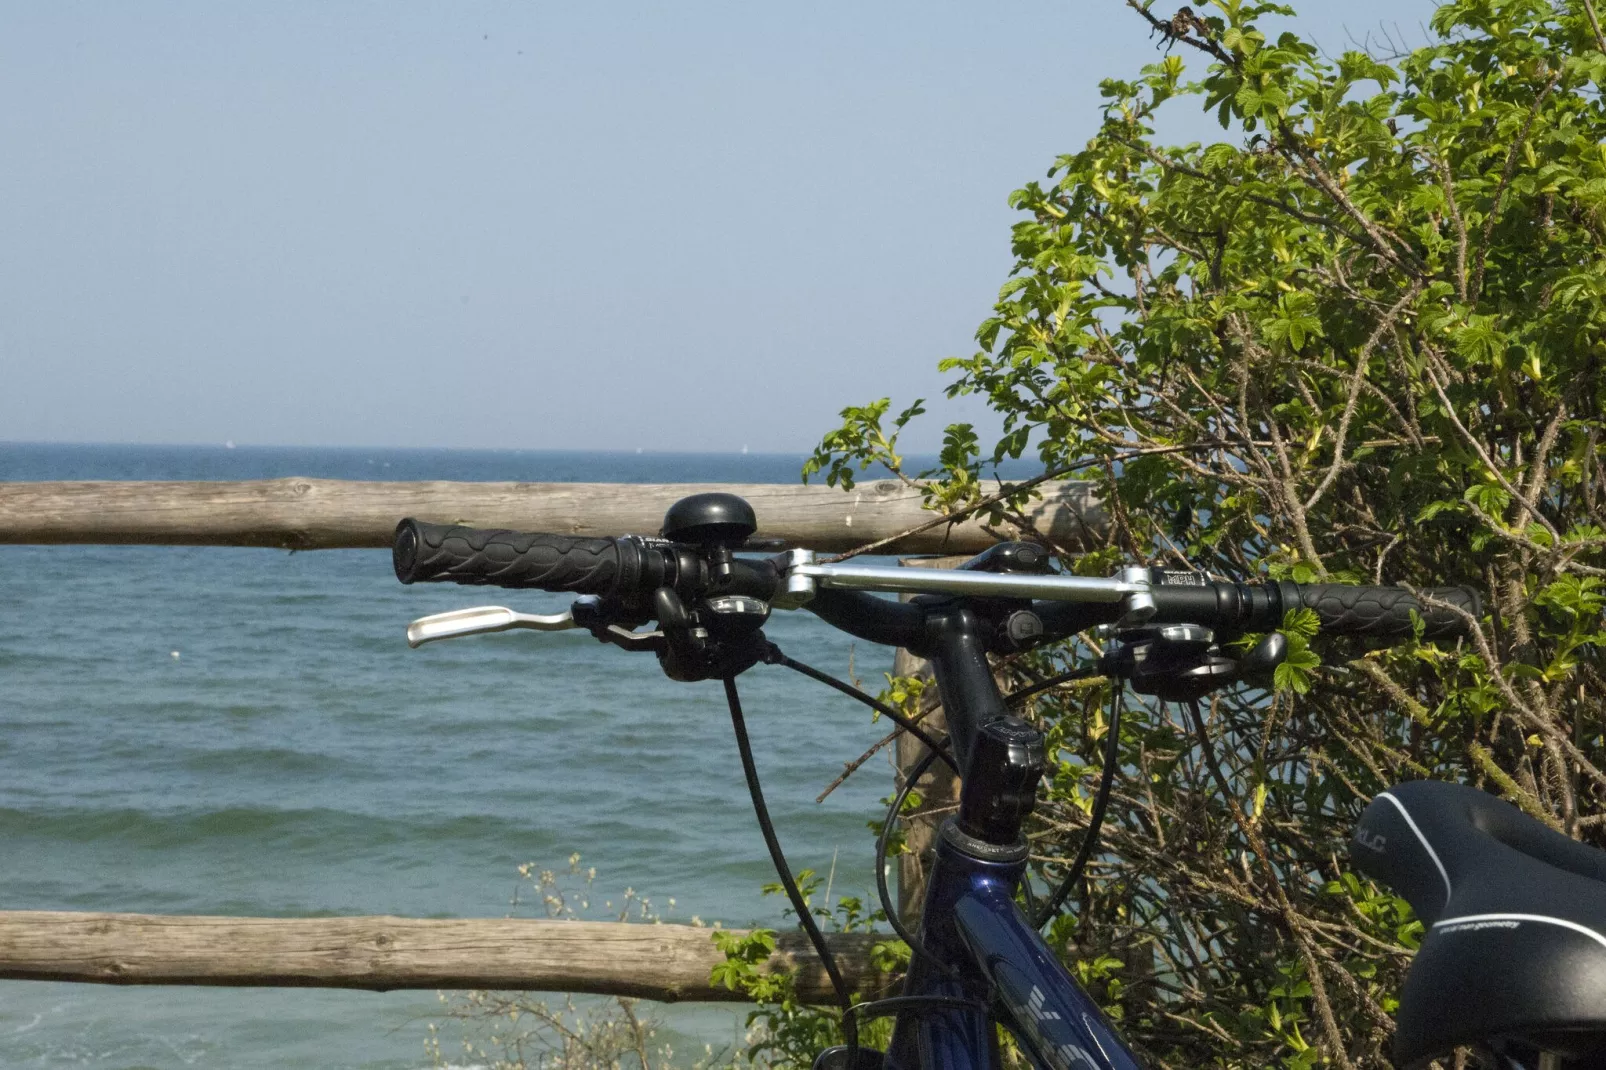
(971, 924)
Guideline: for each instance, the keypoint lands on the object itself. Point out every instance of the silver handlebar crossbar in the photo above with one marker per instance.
(986, 584)
(801, 577)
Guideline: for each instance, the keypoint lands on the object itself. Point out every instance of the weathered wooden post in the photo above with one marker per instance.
(939, 789)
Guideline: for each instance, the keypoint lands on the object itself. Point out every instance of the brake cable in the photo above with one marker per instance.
(1101, 800)
(1015, 697)
(916, 946)
(776, 657)
(935, 750)
(850, 1027)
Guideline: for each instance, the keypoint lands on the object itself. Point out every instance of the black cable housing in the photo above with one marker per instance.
(1101, 801)
(1024, 693)
(888, 908)
(850, 1027)
(942, 751)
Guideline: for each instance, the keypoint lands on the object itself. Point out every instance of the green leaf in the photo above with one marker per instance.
(1302, 623)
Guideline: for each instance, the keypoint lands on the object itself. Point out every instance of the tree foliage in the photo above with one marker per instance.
(1360, 338)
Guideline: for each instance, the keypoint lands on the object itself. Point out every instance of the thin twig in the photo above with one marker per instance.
(1483, 454)
(1594, 24)
(1448, 184)
(1361, 360)
(849, 768)
(1249, 195)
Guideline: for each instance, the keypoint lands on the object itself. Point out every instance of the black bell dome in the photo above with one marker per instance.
(711, 519)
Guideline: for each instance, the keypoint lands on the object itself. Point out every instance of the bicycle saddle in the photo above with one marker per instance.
(1515, 952)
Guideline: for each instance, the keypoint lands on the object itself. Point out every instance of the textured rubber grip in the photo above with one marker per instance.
(436, 553)
(1386, 611)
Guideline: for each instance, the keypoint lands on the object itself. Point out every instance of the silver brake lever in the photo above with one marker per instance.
(482, 619)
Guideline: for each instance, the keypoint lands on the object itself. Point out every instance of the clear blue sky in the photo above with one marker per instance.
(664, 226)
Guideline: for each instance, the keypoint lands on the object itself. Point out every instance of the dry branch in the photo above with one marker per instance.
(668, 963)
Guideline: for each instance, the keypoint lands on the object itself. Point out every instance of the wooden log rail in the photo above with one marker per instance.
(668, 963)
(660, 962)
(321, 514)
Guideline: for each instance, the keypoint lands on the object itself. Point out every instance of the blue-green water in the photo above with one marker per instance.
(242, 731)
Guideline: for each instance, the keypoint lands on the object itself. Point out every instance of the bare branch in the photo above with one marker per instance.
(1361, 360)
(1447, 183)
(1594, 25)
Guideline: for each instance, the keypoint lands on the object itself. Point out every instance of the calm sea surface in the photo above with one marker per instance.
(244, 731)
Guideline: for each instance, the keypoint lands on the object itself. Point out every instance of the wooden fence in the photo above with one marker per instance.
(661, 962)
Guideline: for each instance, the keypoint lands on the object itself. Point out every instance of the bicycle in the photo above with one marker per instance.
(977, 959)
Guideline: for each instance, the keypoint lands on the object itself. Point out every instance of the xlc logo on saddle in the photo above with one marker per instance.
(1371, 840)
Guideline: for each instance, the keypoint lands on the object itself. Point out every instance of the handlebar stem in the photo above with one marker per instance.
(956, 642)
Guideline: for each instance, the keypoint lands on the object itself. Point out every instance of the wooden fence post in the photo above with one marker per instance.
(939, 788)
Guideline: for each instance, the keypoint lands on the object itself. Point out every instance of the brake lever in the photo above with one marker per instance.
(1183, 662)
(480, 620)
(592, 614)
(1259, 666)
(485, 619)
(644, 642)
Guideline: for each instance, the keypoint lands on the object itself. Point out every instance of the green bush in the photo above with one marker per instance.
(1358, 339)
(784, 1031)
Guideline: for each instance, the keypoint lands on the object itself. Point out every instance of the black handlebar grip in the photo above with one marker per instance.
(1386, 611)
(433, 553)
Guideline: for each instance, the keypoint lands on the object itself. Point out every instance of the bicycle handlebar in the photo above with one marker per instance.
(630, 568)
(1169, 641)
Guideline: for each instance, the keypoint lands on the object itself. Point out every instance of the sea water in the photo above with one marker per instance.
(201, 730)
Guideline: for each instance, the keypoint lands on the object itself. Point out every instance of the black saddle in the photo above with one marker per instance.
(1515, 953)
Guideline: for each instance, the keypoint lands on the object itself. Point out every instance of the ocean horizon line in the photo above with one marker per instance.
(280, 446)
